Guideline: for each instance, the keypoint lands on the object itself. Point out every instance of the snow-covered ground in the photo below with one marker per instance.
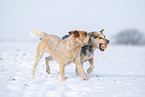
(118, 72)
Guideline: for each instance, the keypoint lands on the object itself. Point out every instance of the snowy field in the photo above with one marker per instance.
(118, 72)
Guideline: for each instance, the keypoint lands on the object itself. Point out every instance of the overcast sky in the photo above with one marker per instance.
(19, 17)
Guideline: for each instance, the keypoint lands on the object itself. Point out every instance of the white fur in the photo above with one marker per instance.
(35, 33)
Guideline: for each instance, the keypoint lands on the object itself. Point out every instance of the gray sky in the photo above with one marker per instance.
(18, 17)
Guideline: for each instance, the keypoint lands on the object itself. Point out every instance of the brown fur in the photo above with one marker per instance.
(62, 51)
(95, 45)
(90, 55)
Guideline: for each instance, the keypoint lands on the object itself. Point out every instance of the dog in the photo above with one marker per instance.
(87, 51)
(62, 51)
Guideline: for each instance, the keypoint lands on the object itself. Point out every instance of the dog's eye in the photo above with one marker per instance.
(100, 38)
(95, 36)
(85, 34)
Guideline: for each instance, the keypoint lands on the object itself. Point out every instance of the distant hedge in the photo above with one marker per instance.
(133, 37)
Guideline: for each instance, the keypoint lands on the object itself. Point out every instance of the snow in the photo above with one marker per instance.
(119, 72)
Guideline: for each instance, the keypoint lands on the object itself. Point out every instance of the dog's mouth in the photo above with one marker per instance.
(100, 47)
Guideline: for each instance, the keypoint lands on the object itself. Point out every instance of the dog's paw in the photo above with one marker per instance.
(63, 79)
(48, 71)
(89, 70)
(33, 73)
(86, 79)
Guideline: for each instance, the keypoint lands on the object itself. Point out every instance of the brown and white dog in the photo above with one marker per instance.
(87, 52)
(95, 43)
(62, 51)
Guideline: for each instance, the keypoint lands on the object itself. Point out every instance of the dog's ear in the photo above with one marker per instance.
(76, 33)
(71, 32)
(102, 31)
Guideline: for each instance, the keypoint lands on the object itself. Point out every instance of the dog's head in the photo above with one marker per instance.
(81, 36)
(98, 39)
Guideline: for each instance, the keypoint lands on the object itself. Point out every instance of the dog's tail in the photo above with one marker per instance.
(37, 33)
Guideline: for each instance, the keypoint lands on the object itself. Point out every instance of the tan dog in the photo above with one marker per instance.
(62, 51)
(87, 51)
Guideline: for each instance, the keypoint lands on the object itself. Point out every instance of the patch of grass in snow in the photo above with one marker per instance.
(1, 58)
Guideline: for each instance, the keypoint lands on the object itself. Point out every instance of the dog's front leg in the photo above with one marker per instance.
(62, 74)
(90, 69)
(80, 68)
(76, 70)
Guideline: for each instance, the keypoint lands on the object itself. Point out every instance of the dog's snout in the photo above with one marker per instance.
(107, 41)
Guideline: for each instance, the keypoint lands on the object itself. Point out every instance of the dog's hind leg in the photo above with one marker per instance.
(40, 51)
(37, 58)
(90, 69)
(47, 59)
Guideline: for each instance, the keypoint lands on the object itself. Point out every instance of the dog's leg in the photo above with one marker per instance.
(40, 51)
(62, 72)
(80, 68)
(90, 69)
(76, 70)
(37, 58)
(47, 59)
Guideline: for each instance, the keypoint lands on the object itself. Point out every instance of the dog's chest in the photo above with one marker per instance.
(88, 56)
(87, 52)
